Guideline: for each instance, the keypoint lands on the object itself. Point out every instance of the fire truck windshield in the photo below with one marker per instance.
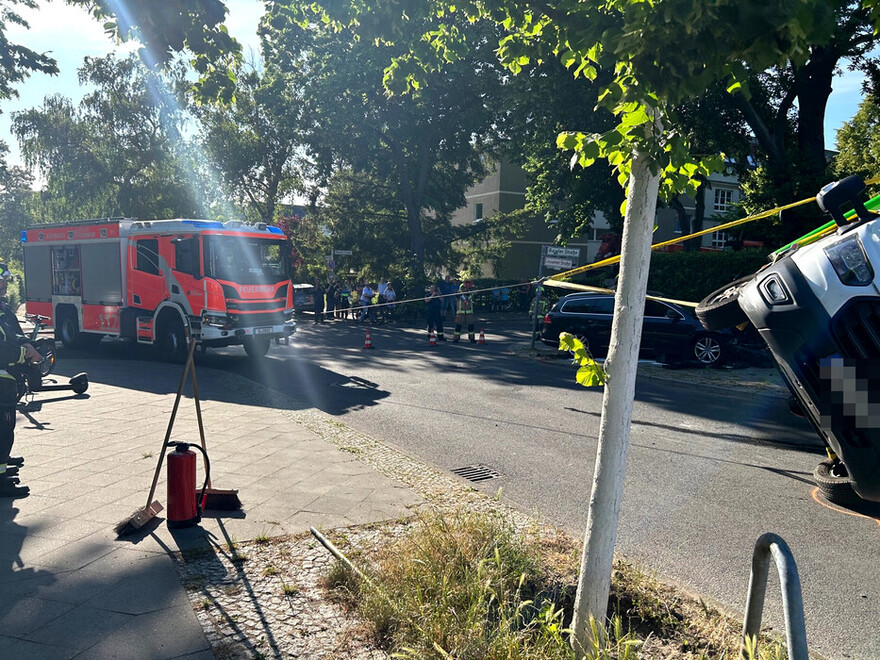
(245, 260)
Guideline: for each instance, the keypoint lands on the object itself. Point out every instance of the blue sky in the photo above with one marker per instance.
(69, 34)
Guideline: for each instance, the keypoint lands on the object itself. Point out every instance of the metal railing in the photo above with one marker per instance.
(766, 546)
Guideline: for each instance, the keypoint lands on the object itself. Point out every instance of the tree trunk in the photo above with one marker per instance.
(695, 244)
(417, 239)
(814, 88)
(594, 582)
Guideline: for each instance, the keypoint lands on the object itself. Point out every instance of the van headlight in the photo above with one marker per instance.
(850, 262)
(774, 290)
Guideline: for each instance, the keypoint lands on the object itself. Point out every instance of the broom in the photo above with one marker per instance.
(212, 498)
(142, 516)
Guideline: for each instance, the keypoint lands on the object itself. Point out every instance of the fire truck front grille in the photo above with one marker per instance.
(857, 329)
(256, 319)
(241, 307)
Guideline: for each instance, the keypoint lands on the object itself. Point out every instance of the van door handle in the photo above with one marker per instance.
(136, 299)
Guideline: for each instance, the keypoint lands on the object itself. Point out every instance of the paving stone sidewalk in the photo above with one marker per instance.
(69, 588)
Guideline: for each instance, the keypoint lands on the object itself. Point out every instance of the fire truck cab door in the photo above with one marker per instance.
(146, 283)
(188, 269)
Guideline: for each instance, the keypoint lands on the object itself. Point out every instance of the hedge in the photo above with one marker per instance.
(694, 275)
(688, 276)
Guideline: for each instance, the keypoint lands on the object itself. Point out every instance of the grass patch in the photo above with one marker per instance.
(466, 585)
(289, 588)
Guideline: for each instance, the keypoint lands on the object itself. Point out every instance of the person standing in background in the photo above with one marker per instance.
(342, 303)
(465, 314)
(318, 294)
(435, 312)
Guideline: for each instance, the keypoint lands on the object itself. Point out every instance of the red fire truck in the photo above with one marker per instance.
(149, 280)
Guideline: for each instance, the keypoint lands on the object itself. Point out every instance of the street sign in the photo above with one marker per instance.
(569, 253)
(342, 253)
(558, 264)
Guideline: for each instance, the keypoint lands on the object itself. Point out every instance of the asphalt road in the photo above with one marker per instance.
(710, 469)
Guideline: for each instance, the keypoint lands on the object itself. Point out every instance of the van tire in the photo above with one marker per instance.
(836, 489)
(720, 309)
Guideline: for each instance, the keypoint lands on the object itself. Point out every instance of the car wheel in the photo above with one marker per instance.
(172, 341)
(256, 347)
(835, 483)
(720, 309)
(582, 338)
(708, 350)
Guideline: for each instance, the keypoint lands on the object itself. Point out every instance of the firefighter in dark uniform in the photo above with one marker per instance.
(12, 352)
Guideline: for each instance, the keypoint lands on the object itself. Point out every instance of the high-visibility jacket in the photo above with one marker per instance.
(465, 305)
(11, 351)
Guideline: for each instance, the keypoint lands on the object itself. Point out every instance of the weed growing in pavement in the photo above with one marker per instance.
(289, 589)
(262, 539)
(270, 570)
(461, 584)
(194, 583)
(206, 603)
(464, 583)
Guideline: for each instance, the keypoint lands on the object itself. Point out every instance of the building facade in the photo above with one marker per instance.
(504, 191)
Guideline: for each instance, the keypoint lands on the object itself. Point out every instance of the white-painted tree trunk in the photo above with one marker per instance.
(594, 581)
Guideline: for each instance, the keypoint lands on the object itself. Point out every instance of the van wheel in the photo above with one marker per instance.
(835, 483)
(720, 309)
(172, 342)
(68, 330)
(256, 347)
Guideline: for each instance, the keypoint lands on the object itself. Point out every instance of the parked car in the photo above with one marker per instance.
(670, 333)
(818, 309)
(303, 299)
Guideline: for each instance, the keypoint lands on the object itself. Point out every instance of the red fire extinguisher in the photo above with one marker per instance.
(184, 503)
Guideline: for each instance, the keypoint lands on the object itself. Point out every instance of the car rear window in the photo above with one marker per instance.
(589, 306)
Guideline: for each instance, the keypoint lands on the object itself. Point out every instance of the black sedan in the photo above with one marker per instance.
(669, 333)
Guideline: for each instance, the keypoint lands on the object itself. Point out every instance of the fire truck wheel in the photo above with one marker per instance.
(256, 347)
(68, 330)
(172, 341)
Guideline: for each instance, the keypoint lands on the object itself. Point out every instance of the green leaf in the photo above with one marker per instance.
(590, 376)
(569, 141)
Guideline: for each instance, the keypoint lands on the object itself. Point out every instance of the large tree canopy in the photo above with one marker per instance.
(425, 146)
(256, 141)
(785, 110)
(170, 27)
(859, 142)
(119, 152)
(16, 61)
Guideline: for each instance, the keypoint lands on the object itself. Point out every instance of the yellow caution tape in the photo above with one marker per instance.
(728, 225)
(596, 289)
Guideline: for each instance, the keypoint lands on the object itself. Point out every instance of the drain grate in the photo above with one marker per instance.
(476, 473)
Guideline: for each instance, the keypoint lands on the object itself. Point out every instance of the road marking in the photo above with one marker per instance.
(827, 505)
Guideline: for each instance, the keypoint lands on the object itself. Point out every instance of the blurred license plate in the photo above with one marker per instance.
(262, 331)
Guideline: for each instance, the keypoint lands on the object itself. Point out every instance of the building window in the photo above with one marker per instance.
(719, 240)
(478, 212)
(677, 228)
(723, 199)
